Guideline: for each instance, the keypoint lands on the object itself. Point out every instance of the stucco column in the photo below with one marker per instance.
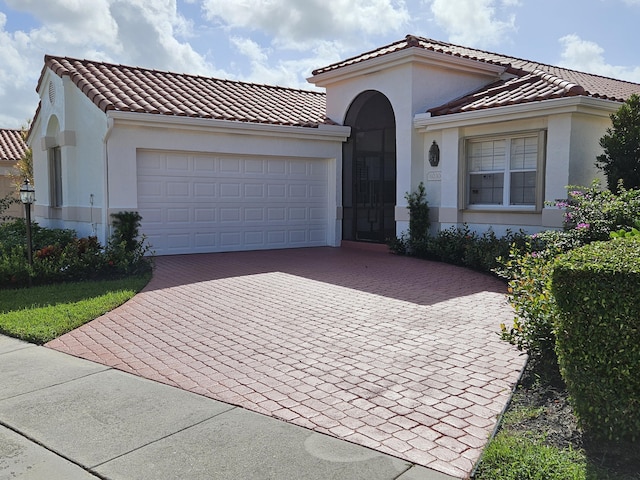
(404, 160)
(450, 181)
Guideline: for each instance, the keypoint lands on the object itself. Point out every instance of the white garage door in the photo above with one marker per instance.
(217, 203)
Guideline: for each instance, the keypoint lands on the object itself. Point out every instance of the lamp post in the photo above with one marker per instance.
(28, 196)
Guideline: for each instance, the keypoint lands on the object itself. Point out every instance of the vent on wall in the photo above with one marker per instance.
(52, 93)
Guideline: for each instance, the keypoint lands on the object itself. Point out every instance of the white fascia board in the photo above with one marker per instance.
(424, 122)
(322, 132)
(417, 56)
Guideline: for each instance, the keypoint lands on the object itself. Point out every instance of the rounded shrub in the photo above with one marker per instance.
(597, 292)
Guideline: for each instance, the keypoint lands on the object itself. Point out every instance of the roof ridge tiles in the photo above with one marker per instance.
(48, 58)
(137, 89)
(415, 41)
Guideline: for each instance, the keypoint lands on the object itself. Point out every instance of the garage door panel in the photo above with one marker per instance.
(254, 190)
(276, 167)
(230, 165)
(207, 203)
(204, 190)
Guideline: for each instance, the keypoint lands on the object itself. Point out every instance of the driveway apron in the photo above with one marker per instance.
(397, 354)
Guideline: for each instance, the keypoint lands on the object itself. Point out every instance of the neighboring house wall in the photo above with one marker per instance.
(7, 186)
(12, 149)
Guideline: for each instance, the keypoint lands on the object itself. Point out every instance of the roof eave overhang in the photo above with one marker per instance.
(210, 125)
(424, 122)
(417, 56)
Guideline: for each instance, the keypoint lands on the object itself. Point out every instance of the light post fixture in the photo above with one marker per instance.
(28, 196)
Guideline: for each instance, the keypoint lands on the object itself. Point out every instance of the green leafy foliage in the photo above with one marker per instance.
(418, 213)
(126, 226)
(519, 457)
(597, 290)
(455, 245)
(634, 232)
(529, 292)
(5, 203)
(14, 234)
(590, 214)
(59, 256)
(128, 252)
(620, 161)
(462, 246)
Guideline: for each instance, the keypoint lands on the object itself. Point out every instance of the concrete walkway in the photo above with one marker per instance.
(391, 353)
(64, 418)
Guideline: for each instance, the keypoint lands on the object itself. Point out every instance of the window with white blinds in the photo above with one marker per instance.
(504, 171)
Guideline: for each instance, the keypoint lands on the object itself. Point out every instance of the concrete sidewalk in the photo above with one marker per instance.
(62, 417)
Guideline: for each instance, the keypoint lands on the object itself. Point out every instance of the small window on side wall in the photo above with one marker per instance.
(55, 177)
(505, 172)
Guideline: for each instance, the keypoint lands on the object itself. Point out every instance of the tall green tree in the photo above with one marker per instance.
(620, 161)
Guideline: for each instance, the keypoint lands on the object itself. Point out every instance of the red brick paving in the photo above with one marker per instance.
(394, 353)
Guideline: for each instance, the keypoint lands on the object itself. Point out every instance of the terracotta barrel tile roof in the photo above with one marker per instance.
(534, 81)
(12, 146)
(132, 89)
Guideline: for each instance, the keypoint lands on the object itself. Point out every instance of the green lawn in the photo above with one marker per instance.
(42, 313)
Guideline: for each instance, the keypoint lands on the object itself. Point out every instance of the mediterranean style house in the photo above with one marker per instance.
(215, 165)
(12, 149)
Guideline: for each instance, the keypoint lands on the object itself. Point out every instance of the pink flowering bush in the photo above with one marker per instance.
(591, 214)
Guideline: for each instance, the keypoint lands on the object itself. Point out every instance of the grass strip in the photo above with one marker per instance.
(42, 313)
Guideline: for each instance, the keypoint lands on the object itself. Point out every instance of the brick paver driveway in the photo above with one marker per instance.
(394, 353)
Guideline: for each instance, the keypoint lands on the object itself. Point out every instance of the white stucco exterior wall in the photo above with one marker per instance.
(133, 132)
(80, 129)
(413, 81)
(573, 127)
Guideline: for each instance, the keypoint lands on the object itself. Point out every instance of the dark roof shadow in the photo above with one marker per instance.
(381, 273)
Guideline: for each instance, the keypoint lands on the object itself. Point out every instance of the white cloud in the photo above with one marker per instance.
(265, 69)
(587, 56)
(146, 33)
(293, 23)
(478, 23)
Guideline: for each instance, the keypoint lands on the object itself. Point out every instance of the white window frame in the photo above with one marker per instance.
(465, 190)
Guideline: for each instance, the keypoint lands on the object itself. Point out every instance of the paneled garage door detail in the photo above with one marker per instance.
(210, 203)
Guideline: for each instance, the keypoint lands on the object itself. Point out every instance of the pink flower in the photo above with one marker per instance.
(582, 226)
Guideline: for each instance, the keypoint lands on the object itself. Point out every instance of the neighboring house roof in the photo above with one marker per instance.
(12, 145)
(530, 81)
(133, 89)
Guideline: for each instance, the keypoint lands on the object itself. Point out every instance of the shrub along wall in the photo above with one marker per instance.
(597, 292)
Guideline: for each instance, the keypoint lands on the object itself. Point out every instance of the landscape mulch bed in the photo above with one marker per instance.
(556, 423)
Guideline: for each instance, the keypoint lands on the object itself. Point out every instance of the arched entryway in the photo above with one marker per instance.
(369, 170)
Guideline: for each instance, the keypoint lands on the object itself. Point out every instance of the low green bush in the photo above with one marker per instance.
(597, 292)
(14, 234)
(419, 222)
(595, 212)
(529, 292)
(462, 246)
(591, 214)
(59, 256)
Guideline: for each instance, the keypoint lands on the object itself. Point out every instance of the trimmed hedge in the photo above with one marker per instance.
(597, 292)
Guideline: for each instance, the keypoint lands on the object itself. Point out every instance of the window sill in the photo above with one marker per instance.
(501, 209)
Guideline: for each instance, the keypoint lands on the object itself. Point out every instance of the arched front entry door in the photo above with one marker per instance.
(369, 170)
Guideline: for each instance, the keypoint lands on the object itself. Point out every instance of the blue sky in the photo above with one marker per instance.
(281, 41)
